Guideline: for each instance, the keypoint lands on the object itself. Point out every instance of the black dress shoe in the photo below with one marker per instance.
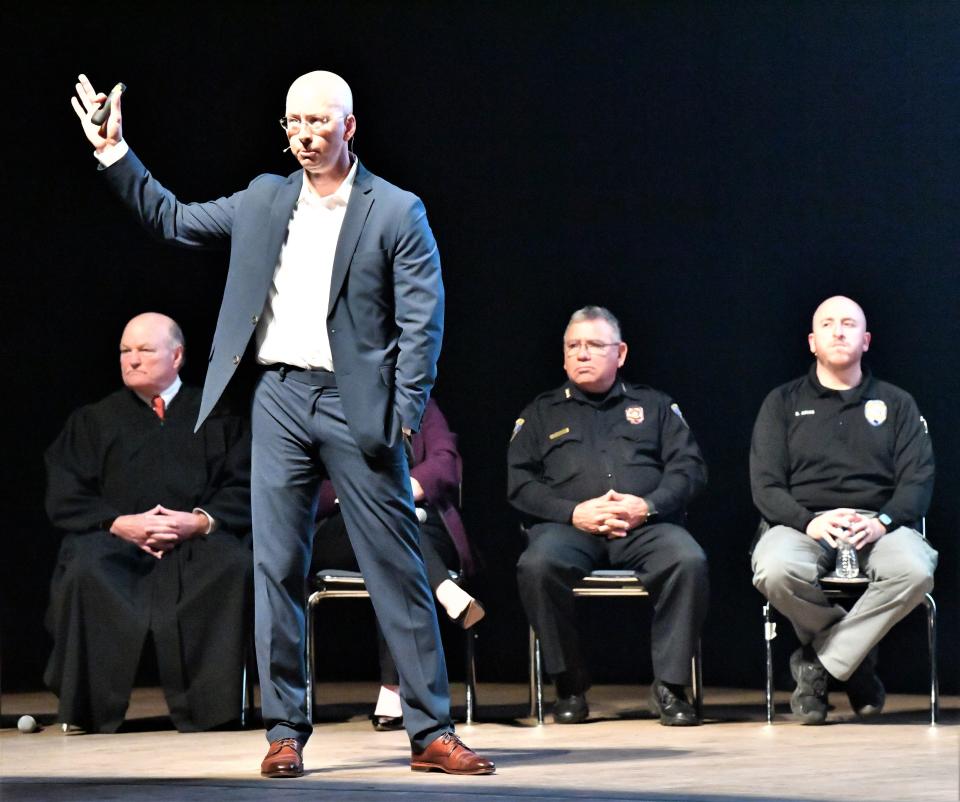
(386, 723)
(571, 709)
(672, 707)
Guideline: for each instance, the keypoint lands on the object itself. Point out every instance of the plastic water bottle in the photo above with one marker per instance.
(848, 564)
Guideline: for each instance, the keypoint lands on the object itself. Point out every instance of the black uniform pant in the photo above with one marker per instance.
(671, 565)
(332, 549)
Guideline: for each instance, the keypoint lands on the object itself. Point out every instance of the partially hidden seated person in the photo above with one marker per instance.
(155, 521)
(435, 469)
(839, 455)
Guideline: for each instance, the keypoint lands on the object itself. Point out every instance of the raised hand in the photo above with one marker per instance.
(85, 103)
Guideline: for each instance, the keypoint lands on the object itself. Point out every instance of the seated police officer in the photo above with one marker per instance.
(602, 470)
(839, 455)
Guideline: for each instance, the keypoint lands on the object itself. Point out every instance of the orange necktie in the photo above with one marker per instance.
(158, 406)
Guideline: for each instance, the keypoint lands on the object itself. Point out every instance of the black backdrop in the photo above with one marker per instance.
(709, 171)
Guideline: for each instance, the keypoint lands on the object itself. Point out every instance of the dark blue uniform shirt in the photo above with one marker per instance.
(568, 446)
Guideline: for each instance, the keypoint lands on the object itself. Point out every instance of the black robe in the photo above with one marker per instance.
(116, 457)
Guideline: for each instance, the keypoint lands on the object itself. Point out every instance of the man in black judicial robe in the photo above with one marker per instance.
(156, 522)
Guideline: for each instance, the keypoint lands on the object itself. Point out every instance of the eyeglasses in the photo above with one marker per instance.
(292, 125)
(593, 347)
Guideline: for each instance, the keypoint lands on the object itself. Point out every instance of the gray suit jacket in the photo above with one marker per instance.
(385, 316)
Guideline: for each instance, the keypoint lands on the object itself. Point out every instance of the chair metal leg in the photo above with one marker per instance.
(245, 697)
(696, 672)
(932, 644)
(769, 633)
(536, 678)
(311, 656)
(471, 675)
(247, 702)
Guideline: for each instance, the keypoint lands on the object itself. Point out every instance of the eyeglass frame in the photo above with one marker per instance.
(315, 127)
(594, 348)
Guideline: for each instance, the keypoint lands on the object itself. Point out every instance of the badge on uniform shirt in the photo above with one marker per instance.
(516, 428)
(634, 415)
(875, 411)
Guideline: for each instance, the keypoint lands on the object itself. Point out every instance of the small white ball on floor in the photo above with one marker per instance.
(27, 724)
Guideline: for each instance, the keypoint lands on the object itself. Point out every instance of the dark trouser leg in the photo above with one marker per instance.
(558, 556)
(439, 556)
(377, 506)
(285, 478)
(98, 617)
(673, 567)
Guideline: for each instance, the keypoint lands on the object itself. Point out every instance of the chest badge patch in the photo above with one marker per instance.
(634, 415)
(875, 411)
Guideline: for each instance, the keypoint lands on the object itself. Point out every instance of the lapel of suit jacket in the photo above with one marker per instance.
(280, 214)
(358, 208)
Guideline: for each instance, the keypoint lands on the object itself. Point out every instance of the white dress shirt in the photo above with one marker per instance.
(293, 328)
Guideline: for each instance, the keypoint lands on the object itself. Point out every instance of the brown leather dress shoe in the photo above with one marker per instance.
(284, 759)
(448, 753)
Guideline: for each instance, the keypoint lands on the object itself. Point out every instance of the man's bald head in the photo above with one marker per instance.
(839, 306)
(320, 125)
(838, 339)
(318, 89)
(151, 353)
(156, 322)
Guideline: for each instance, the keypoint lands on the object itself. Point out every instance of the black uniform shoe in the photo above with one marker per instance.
(669, 702)
(864, 689)
(809, 699)
(571, 709)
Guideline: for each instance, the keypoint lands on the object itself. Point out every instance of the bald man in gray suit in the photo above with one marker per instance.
(337, 274)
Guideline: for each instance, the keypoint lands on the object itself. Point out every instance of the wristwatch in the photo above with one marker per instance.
(886, 520)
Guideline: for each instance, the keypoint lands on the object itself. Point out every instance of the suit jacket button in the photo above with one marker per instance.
(254, 319)
(236, 359)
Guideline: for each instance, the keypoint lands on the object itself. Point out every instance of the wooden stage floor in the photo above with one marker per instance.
(620, 754)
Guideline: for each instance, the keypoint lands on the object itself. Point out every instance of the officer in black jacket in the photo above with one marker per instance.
(602, 471)
(839, 455)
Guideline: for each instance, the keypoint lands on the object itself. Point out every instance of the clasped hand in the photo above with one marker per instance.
(611, 515)
(159, 530)
(848, 525)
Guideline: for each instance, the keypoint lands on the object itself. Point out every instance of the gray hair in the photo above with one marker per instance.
(596, 313)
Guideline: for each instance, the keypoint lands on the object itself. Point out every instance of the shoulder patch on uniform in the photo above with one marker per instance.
(516, 428)
(875, 411)
(560, 433)
(923, 422)
(675, 409)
